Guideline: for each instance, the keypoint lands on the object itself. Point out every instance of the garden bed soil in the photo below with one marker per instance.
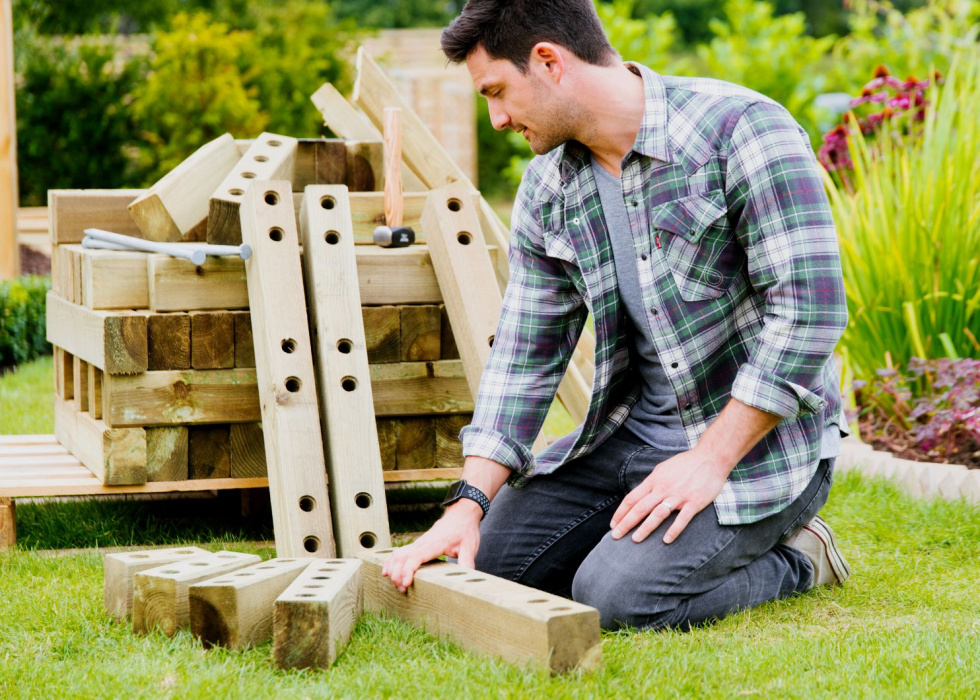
(890, 439)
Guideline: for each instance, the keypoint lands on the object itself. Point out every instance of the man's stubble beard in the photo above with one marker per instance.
(558, 128)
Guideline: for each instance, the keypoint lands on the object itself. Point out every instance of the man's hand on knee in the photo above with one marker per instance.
(455, 534)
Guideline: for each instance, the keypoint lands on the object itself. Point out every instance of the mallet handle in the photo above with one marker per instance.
(393, 166)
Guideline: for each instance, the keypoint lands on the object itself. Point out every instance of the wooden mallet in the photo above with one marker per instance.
(393, 234)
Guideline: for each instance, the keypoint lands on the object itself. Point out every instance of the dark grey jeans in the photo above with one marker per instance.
(554, 535)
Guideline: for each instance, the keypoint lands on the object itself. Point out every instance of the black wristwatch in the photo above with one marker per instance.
(461, 489)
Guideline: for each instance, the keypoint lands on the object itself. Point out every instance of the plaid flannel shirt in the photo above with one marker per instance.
(739, 270)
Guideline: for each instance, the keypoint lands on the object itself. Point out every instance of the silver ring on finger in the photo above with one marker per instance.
(670, 506)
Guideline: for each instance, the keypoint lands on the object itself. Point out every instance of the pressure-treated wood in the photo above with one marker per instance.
(393, 164)
(421, 333)
(212, 340)
(180, 397)
(95, 391)
(116, 456)
(319, 161)
(235, 610)
(244, 345)
(284, 367)
(365, 163)
(368, 212)
(271, 157)
(466, 277)
(176, 207)
(80, 375)
(64, 370)
(114, 279)
(179, 285)
(388, 442)
(416, 443)
(168, 341)
(360, 514)
(449, 450)
(115, 342)
(120, 568)
(382, 333)
(166, 454)
(314, 617)
(9, 252)
(397, 276)
(490, 615)
(414, 388)
(160, 599)
(247, 450)
(448, 339)
(8, 523)
(70, 212)
(209, 452)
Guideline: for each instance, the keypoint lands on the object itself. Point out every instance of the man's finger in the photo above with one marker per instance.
(683, 518)
(467, 557)
(627, 505)
(660, 513)
(642, 509)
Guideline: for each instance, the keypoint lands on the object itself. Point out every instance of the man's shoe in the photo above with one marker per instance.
(816, 540)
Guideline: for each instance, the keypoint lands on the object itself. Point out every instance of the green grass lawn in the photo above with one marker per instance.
(27, 399)
(907, 624)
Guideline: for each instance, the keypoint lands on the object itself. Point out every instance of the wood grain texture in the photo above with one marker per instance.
(449, 449)
(8, 523)
(9, 250)
(80, 375)
(70, 212)
(116, 456)
(209, 452)
(244, 345)
(64, 368)
(416, 443)
(382, 333)
(168, 341)
(235, 610)
(284, 367)
(212, 340)
(421, 333)
(115, 342)
(353, 459)
(247, 450)
(490, 615)
(388, 442)
(315, 616)
(120, 568)
(95, 392)
(113, 279)
(160, 598)
(368, 212)
(167, 454)
(365, 165)
(180, 285)
(417, 388)
(175, 208)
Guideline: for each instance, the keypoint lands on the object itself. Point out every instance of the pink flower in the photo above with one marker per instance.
(868, 96)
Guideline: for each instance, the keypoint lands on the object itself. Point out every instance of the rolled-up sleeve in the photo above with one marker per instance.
(787, 230)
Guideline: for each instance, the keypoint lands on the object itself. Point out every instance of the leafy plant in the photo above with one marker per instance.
(22, 319)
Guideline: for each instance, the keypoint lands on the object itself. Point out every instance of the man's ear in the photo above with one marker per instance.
(547, 61)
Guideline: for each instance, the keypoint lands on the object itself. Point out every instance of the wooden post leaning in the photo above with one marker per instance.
(284, 370)
(9, 251)
(350, 430)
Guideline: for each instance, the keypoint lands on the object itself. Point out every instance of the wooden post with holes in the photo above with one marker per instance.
(9, 253)
(120, 568)
(344, 380)
(284, 370)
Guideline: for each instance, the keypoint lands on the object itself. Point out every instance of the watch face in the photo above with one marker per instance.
(455, 490)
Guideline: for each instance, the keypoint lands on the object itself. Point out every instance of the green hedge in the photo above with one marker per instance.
(22, 319)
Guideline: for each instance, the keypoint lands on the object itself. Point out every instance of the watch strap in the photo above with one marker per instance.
(465, 490)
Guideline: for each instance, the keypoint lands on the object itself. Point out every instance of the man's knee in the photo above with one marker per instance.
(620, 597)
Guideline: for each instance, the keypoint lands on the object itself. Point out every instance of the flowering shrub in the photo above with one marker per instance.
(931, 411)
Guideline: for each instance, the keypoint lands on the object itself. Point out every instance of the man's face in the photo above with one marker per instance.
(528, 103)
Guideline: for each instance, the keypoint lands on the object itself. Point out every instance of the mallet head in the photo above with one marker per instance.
(394, 236)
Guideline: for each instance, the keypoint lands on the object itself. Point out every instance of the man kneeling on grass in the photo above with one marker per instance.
(689, 218)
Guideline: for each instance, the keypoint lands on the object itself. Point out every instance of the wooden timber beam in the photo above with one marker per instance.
(9, 252)
(120, 568)
(284, 367)
(70, 212)
(115, 342)
(116, 456)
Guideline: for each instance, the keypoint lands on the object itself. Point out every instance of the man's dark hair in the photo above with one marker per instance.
(509, 29)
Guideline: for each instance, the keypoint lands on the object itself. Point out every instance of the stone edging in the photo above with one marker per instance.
(918, 479)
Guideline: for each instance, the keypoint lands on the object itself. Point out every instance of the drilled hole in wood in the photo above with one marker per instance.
(248, 175)
(265, 567)
(246, 573)
(183, 551)
(538, 600)
(271, 198)
(454, 204)
(464, 238)
(331, 237)
(235, 192)
(170, 571)
(475, 580)
(306, 595)
(274, 143)
(141, 556)
(348, 383)
(311, 543)
(307, 503)
(293, 384)
(313, 585)
(368, 540)
(456, 573)
(262, 159)
(338, 562)
(384, 551)
(328, 202)
(344, 346)
(363, 500)
(226, 556)
(560, 609)
(199, 563)
(275, 233)
(289, 346)
(323, 571)
(490, 341)
(321, 578)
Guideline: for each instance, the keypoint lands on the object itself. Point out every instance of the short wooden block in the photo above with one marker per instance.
(313, 619)
(416, 443)
(122, 567)
(420, 388)
(70, 212)
(449, 450)
(114, 279)
(212, 340)
(382, 333)
(319, 162)
(235, 610)
(489, 615)
(247, 451)
(244, 345)
(166, 454)
(181, 397)
(160, 598)
(421, 333)
(365, 165)
(115, 342)
(80, 375)
(95, 392)
(368, 212)
(117, 456)
(176, 207)
(168, 341)
(180, 285)
(270, 157)
(209, 452)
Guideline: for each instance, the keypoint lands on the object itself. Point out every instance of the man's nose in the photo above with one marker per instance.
(498, 117)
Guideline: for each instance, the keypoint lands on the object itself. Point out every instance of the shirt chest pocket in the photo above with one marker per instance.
(699, 245)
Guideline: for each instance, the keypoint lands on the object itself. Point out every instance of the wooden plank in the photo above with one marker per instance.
(70, 212)
(115, 342)
(360, 514)
(180, 285)
(319, 162)
(212, 340)
(168, 341)
(209, 452)
(64, 368)
(382, 333)
(365, 165)
(116, 456)
(449, 449)
(247, 450)
(396, 276)
(160, 597)
(181, 397)
(8, 523)
(167, 454)
(80, 375)
(235, 610)
(244, 345)
(284, 366)
(315, 616)
(95, 391)
(271, 157)
(414, 388)
(114, 279)
(368, 212)
(421, 333)
(7, 440)
(120, 568)
(416, 446)
(9, 252)
(175, 208)
(490, 615)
